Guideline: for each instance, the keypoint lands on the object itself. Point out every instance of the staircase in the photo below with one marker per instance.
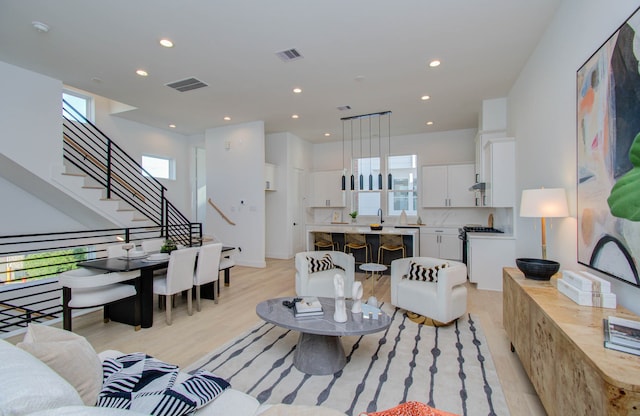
(102, 176)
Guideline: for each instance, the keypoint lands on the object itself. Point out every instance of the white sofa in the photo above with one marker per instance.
(443, 301)
(321, 283)
(30, 387)
(66, 377)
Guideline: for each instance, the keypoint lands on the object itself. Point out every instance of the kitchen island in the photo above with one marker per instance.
(410, 237)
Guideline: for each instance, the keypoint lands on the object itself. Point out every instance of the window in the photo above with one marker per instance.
(403, 195)
(404, 171)
(367, 202)
(82, 104)
(158, 167)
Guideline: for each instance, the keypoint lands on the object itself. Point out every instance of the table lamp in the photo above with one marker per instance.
(542, 203)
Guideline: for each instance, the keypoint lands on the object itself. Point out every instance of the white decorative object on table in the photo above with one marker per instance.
(340, 314)
(356, 295)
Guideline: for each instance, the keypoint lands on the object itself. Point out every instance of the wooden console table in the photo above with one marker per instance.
(560, 345)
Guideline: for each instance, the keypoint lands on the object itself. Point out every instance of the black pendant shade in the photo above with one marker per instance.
(361, 182)
(379, 180)
(344, 182)
(389, 182)
(353, 183)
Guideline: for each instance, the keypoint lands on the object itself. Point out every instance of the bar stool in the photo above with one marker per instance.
(390, 242)
(324, 241)
(357, 242)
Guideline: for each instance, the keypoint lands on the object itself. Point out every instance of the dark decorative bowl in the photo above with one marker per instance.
(537, 269)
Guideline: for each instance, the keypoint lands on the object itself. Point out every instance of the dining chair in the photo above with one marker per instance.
(178, 278)
(324, 241)
(152, 245)
(226, 263)
(207, 270)
(85, 288)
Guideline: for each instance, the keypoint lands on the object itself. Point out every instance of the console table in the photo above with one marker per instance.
(560, 345)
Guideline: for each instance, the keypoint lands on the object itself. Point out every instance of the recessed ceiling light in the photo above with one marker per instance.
(425, 97)
(295, 116)
(434, 63)
(173, 126)
(166, 43)
(327, 134)
(226, 118)
(142, 72)
(429, 123)
(297, 90)
(40, 27)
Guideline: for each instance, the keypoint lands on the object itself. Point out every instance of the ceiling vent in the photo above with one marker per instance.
(289, 55)
(344, 107)
(187, 84)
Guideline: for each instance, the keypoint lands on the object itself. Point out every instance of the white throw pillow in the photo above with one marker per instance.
(68, 354)
(27, 385)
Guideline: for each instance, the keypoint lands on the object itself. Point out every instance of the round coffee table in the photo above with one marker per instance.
(319, 350)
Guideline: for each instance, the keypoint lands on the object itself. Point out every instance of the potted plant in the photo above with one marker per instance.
(168, 246)
(353, 216)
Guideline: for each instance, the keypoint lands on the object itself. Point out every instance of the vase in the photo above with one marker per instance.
(340, 313)
(356, 295)
(353, 220)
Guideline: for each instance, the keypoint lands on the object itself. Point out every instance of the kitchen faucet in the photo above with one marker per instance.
(380, 214)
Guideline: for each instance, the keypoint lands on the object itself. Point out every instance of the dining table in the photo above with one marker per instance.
(137, 312)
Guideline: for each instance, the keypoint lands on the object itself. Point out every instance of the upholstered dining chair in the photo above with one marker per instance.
(85, 288)
(178, 278)
(226, 263)
(207, 270)
(423, 286)
(315, 272)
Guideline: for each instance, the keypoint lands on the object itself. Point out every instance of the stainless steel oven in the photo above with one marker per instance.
(462, 235)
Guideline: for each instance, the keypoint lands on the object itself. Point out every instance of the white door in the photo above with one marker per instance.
(296, 198)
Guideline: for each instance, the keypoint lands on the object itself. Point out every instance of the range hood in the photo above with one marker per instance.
(478, 186)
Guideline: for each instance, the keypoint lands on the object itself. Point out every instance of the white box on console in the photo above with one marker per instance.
(586, 281)
(584, 298)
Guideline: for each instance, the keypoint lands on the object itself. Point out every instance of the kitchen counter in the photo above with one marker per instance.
(410, 237)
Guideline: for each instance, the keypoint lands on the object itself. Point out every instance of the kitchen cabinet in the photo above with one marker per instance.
(269, 177)
(448, 186)
(325, 189)
(486, 256)
(499, 173)
(442, 243)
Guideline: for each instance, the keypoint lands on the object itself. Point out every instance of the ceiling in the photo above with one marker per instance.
(372, 55)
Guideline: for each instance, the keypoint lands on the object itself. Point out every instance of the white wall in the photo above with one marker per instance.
(542, 118)
(235, 183)
(31, 119)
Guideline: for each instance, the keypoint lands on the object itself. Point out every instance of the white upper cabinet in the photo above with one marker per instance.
(499, 173)
(325, 189)
(448, 186)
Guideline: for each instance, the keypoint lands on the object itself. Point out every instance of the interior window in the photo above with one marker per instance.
(158, 167)
(82, 104)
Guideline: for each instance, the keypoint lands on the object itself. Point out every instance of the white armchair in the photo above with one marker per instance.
(321, 283)
(443, 301)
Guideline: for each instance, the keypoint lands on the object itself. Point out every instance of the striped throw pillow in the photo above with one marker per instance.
(321, 264)
(424, 273)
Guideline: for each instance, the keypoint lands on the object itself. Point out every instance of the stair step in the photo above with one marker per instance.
(140, 219)
(111, 199)
(92, 187)
(125, 210)
(82, 175)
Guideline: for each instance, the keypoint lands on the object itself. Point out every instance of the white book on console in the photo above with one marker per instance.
(308, 304)
(584, 298)
(586, 281)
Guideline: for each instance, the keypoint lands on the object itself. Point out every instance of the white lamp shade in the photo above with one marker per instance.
(547, 203)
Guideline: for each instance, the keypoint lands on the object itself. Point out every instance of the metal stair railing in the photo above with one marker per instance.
(94, 153)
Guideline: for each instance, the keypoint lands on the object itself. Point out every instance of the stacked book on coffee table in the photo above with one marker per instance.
(586, 289)
(308, 306)
(622, 334)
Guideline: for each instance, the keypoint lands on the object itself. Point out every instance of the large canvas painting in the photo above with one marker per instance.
(608, 144)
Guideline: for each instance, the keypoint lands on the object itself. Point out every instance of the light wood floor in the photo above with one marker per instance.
(191, 337)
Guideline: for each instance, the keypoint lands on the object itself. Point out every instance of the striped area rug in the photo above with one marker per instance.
(449, 368)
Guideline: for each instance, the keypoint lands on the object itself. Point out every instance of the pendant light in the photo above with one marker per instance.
(353, 178)
(344, 179)
(370, 154)
(379, 158)
(389, 178)
(360, 160)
